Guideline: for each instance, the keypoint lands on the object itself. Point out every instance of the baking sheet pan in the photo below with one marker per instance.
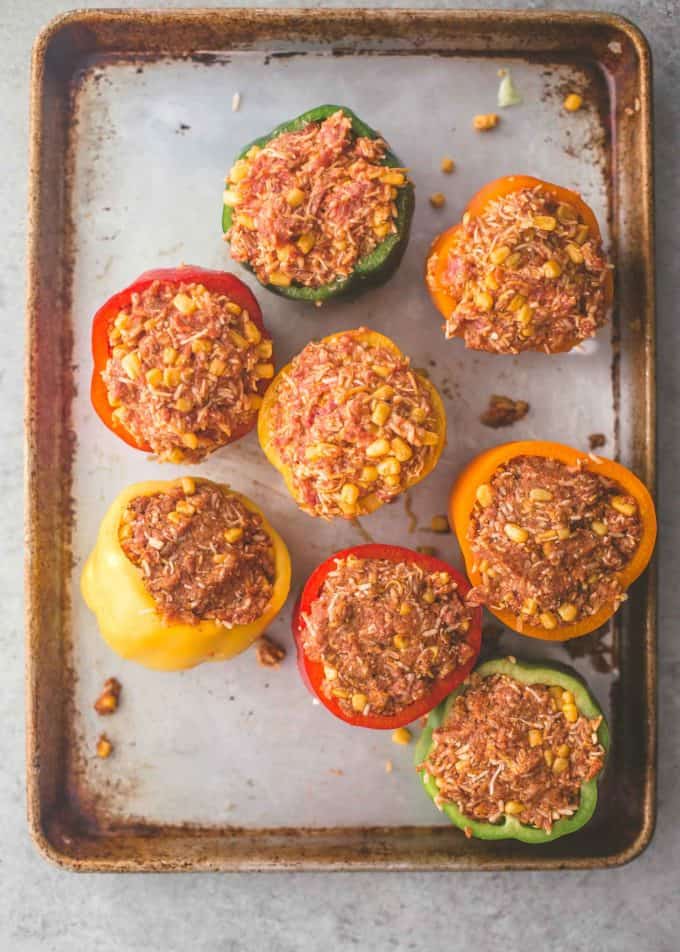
(232, 766)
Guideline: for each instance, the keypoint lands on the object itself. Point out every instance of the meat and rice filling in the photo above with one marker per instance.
(527, 274)
(352, 420)
(513, 749)
(550, 539)
(310, 204)
(202, 553)
(185, 368)
(385, 632)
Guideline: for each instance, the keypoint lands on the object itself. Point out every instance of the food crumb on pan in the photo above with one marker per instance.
(615, 47)
(438, 200)
(596, 441)
(508, 94)
(104, 747)
(336, 772)
(402, 735)
(485, 121)
(447, 165)
(236, 102)
(440, 523)
(270, 654)
(107, 702)
(503, 411)
(573, 102)
(389, 766)
(426, 550)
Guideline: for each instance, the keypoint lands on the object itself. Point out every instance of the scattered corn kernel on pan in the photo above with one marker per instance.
(231, 766)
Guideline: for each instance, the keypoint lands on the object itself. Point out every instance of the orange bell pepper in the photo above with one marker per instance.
(442, 245)
(265, 429)
(481, 469)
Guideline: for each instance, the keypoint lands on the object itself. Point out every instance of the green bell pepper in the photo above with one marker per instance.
(510, 827)
(371, 270)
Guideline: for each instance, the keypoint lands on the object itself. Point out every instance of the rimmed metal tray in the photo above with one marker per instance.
(232, 766)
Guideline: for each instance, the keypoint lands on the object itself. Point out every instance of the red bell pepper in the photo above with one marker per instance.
(220, 281)
(312, 671)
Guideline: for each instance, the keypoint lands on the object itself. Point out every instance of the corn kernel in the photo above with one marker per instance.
(369, 474)
(567, 612)
(234, 534)
(132, 365)
(552, 269)
(170, 377)
(401, 450)
(359, 702)
(264, 371)
(184, 303)
(490, 281)
(560, 765)
(377, 448)
(549, 757)
(201, 345)
(392, 481)
(419, 414)
(264, 349)
(573, 102)
(329, 672)
(252, 332)
(548, 620)
(535, 738)
(428, 438)
(599, 528)
(188, 486)
(483, 123)
(498, 255)
(392, 178)
(525, 315)
(295, 197)
(540, 495)
(230, 198)
(382, 231)
(306, 242)
(402, 735)
(545, 222)
(389, 466)
(621, 504)
(400, 643)
(428, 596)
(246, 221)
(570, 712)
(217, 367)
(255, 401)
(349, 493)
(238, 340)
(169, 355)
(183, 404)
(515, 533)
(484, 301)
(517, 302)
(279, 279)
(404, 609)
(190, 440)
(563, 533)
(513, 807)
(564, 750)
(566, 697)
(575, 254)
(381, 413)
(154, 377)
(484, 495)
(582, 234)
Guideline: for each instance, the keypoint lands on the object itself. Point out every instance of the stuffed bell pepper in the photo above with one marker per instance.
(183, 572)
(524, 270)
(552, 537)
(181, 360)
(384, 633)
(350, 425)
(515, 753)
(319, 207)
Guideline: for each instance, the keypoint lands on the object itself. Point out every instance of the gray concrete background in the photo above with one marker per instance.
(42, 908)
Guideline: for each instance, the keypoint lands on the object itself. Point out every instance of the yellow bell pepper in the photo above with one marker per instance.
(129, 622)
(265, 426)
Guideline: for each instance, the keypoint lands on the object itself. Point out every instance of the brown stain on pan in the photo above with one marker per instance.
(63, 822)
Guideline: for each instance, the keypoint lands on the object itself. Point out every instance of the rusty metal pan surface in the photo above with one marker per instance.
(231, 766)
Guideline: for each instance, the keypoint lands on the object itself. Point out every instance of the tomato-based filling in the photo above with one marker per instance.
(352, 421)
(310, 204)
(186, 369)
(202, 553)
(385, 632)
(550, 541)
(515, 750)
(528, 273)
